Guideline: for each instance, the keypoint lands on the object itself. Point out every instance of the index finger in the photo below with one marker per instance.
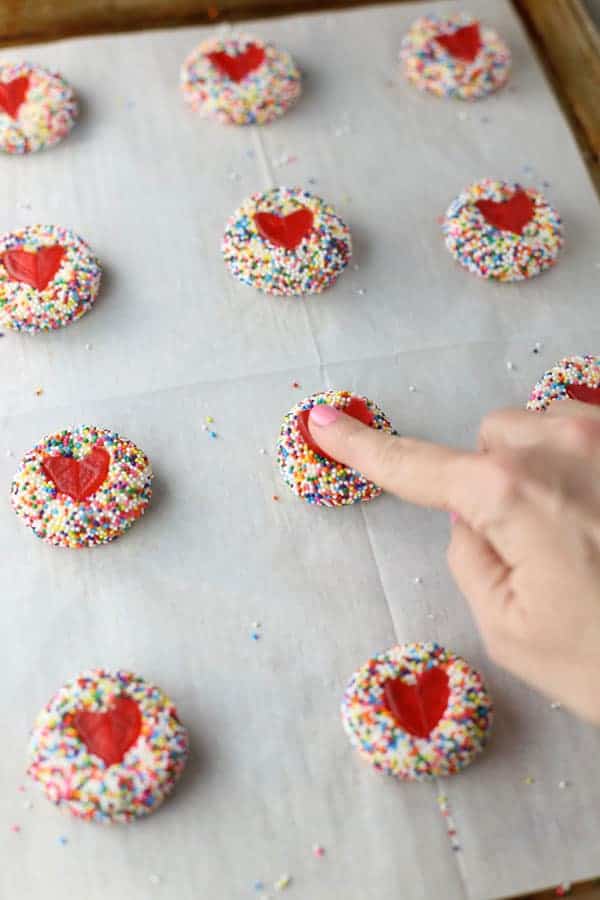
(417, 471)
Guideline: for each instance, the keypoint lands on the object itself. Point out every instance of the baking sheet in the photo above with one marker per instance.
(172, 339)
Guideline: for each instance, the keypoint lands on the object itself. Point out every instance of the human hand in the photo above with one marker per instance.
(525, 547)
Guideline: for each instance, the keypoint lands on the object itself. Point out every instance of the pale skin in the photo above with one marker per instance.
(525, 522)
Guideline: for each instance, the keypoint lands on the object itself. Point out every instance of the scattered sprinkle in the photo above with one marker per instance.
(275, 497)
(510, 365)
(555, 705)
(21, 789)
(563, 784)
(262, 451)
(529, 780)
(361, 292)
(28, 804)
(295, 384)
(418, 580)
(208, 419)
(39, 391)
(255, 636)
(15, 829)
(213, 435)
(88, 346)
(318, 851)
(154, 879)
(412, 388)
(444, 807)
(63, 841)
(258, 885)
(283, 882)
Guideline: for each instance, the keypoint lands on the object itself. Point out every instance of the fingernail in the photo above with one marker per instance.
(454, 518)
(323, 414)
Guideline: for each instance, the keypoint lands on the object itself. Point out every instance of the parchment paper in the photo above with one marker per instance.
(172, 339)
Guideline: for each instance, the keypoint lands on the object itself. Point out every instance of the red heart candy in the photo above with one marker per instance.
(12, 94)
(79, 478)
(464, 43)
(356, 408)
(285, 231)
(110, 734)
(508, 215)
(237, 67)
(417, 708)
(584, 393)
(35, 269)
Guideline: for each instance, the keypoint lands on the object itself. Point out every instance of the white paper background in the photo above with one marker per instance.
(173, 339)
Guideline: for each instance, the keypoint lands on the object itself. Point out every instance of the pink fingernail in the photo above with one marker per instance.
(454, 518)
(323, 414)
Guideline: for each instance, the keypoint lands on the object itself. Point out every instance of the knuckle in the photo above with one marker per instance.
(504, 479)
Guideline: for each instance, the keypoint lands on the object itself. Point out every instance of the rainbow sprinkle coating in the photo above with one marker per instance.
(570, 370)
(454, 742)
(113, 508)
(73, 778)
(47, 114)
(262, 95)
(310, 268)
(495, 253)
(430, 67)
(68, 296)
(315, 478)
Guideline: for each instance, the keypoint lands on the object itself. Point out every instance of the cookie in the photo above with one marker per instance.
(108, 747)
(37, 108)
(417, 712)
(286, 242)
(502, 231)
(240, 81)
(573, 378)
(309, 472)
(82, 486)
(455, 57)
(49, 278)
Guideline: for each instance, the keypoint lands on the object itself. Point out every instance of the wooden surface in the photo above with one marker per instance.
(57, 18)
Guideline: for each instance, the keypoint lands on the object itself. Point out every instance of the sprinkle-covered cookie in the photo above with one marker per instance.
(502, 231)
(49, 278)
(309, 472)
(417, 711)
(287, 242)
(37, 108)
(573, 378)
(108, 747)
(240, 81)
(455, 57)
(82, 486)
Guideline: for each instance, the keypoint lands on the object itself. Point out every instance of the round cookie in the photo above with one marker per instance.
(455, 57)
(49, 278)
(82, 486)
(574, 378)
(108, 747)
(417, 712)
(240, 81)
(502, 231)
(286, 242)
(309, 472)
(37, 108)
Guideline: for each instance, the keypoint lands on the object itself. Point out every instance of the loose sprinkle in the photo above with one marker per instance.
(318, 851)
(450, 826)
(529, 780)
(283, 882)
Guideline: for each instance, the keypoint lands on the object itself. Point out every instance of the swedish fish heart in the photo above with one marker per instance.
(110, 734)
(79, 478)
(417, 708)
(508, 215)
(285, 231)
(237, 67)
(36, 268)
(464, 43)
(12, 95)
